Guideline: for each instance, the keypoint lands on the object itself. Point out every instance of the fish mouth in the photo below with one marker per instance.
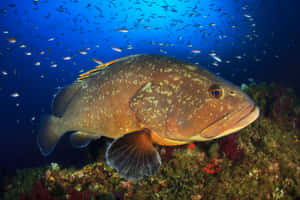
(248, 119)
(231, 122)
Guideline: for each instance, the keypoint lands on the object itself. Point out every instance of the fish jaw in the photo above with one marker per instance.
(251, 117)
(229, 124)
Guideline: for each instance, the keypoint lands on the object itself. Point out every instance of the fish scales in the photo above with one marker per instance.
(109, 105)
(143, 99)
(107, 96)
(97, 107)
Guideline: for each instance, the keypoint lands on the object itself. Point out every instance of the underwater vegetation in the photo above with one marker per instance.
(262, 161)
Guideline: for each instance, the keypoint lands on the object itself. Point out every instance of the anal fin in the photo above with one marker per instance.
(133, 155)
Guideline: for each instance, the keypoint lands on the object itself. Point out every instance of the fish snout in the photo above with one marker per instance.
(245, 114)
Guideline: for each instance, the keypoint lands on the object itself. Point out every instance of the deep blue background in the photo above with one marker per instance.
(75, 25)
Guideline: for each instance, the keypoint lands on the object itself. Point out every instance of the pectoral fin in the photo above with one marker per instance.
(81, 139)
(133, 155)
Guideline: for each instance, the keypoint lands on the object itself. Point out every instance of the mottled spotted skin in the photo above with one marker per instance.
(168, 96)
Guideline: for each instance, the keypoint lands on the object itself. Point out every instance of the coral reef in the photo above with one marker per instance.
(262, 161)
(38, 192)
(22, 183)
(229, 147)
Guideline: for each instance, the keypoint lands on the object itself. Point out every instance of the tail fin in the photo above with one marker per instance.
(52, 128)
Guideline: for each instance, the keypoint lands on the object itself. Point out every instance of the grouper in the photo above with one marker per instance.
(141, 100)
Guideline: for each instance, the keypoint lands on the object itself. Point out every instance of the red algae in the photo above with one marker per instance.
(229, 147)
(39, 192)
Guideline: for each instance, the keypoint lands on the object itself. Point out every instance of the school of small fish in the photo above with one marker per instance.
(199, 32)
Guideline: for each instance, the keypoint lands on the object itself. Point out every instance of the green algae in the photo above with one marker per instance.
(268, 169)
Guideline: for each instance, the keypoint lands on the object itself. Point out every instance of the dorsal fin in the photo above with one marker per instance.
(101, 67)
(64, 97)
(97, 69)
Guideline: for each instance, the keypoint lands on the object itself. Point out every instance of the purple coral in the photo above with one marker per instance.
(229, 147)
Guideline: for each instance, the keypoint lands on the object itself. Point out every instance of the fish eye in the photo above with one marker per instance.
(215, 91)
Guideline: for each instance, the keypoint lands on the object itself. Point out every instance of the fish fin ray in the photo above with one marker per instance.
(141, 157)
(101, 67)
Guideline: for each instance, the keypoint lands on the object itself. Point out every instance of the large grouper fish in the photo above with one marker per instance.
(143, 99)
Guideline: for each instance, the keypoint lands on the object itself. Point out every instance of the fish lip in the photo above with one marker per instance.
(249, 113)
(248, 118)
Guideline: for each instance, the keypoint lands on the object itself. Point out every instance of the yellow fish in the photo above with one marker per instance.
(143, 99)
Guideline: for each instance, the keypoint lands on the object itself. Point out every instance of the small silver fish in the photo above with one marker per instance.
(12, 40)
(196, 51)
(67, 58)
(217, 58)
(122, 30)
(15, 95)
(118, 49)
(82, 52)
(96, 60)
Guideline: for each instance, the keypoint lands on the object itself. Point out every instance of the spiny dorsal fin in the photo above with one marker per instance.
(101, 67)
(97, 69)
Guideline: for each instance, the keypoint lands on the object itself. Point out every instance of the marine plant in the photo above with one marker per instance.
(38, 192)
(229, 147)
(23, 182)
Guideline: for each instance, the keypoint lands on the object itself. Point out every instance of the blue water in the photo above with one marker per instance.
(265, 33)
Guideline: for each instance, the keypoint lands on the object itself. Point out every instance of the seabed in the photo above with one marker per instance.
(262, 161)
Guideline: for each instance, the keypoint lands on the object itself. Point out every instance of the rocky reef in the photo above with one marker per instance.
(262, 161)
